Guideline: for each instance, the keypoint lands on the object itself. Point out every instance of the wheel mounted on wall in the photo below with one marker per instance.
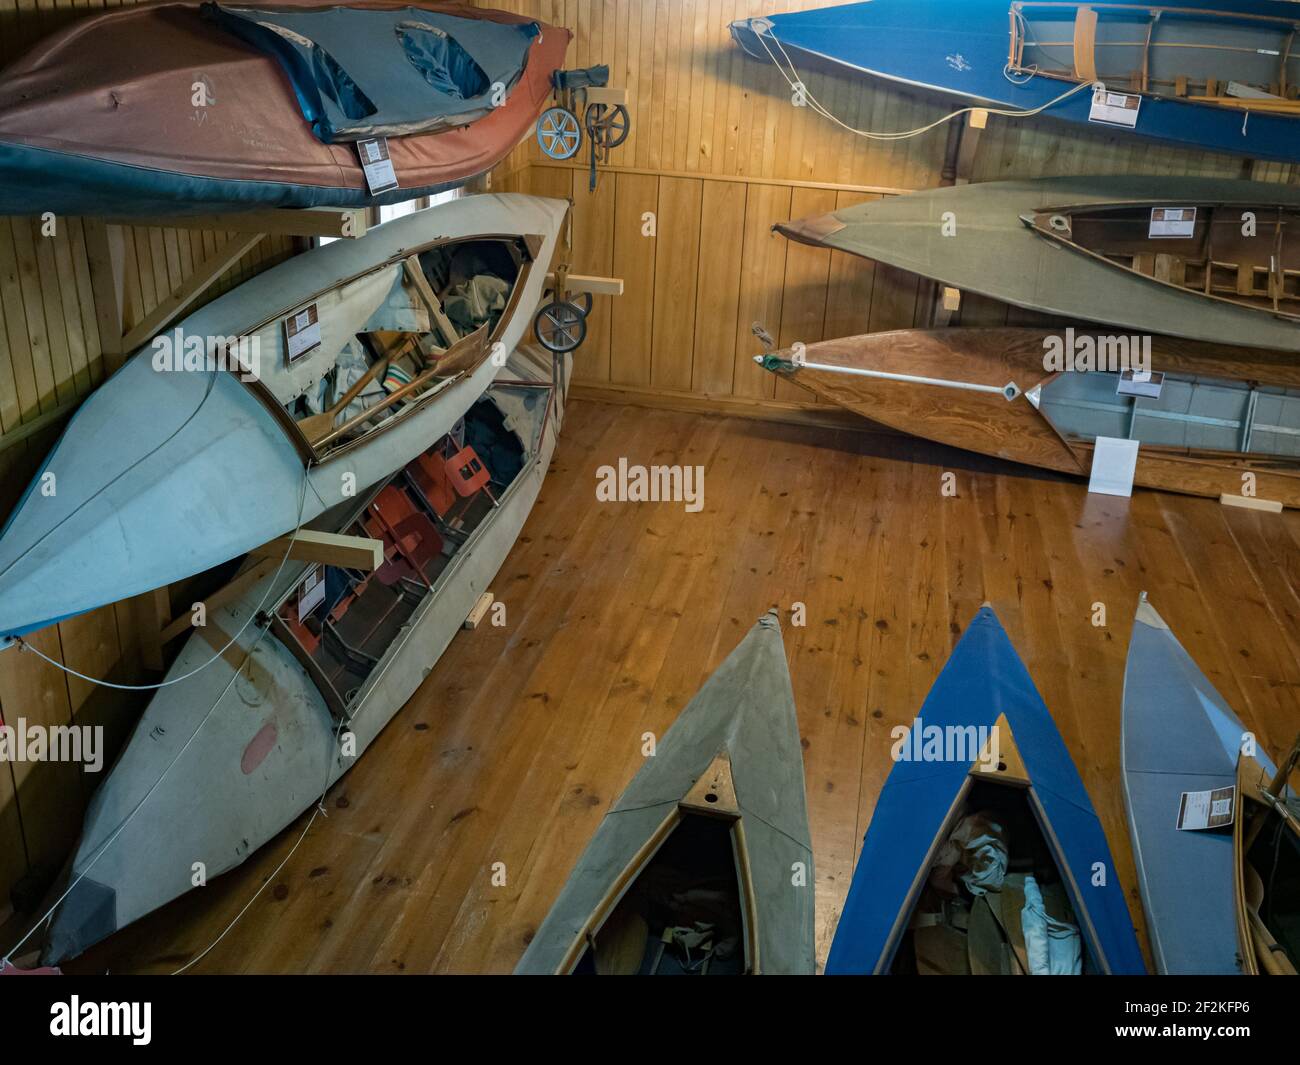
(608, 127)
(560, 326)
(558, 133)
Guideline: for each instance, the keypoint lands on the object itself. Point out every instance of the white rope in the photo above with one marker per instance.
(23, 645)
(798, 86)
(99, 853)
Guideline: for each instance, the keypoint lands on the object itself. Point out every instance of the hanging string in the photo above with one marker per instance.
(798, 86)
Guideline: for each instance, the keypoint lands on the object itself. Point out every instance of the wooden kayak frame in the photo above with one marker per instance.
(1084, 44)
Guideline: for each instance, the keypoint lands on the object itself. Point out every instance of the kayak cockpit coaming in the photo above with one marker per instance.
(1224, 59)
(379, 344)
(693, 835)
(1266, 842)
(1193, 415)
(1006, 787)
(423, 553)
(1211, 249)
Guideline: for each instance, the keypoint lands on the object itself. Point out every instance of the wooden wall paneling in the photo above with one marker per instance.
(717, 299)
(852, 281)
(807, 277)
(593, 253)
(762, 279)
(634, 261)
(677, 262)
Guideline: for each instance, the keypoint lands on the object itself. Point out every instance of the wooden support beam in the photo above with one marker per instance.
(104, 250)
(610, 97)
(191, 289)
(1085, 44)
(26, 430)
(340, 222)
(226, 594)
(415, 274)
(480, 610)
(597, 286)
(947, 303)
(1271, 506)
(153, 612)
(333, 549)
(968, 150)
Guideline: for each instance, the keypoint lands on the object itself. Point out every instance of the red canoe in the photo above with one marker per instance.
(100, 118)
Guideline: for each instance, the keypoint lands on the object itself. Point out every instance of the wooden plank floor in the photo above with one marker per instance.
(444, 847)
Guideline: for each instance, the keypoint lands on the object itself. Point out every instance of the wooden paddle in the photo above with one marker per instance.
(620, 944)
(316, 426)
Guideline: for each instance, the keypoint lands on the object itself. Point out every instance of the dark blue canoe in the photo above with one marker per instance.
(984, 685)
(1211, 74)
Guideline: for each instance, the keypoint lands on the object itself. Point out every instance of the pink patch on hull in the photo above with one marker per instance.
(258, 748)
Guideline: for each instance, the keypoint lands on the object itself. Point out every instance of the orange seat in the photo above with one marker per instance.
(411, 541)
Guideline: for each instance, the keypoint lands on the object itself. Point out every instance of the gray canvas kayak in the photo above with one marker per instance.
(183, 461)
(221, 762)
(1180, 741)
(704, 864)
(981, 238)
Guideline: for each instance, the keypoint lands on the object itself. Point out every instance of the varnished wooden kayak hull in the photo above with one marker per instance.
(1017, 429)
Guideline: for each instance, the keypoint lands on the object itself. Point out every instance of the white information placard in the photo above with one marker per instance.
(1114, 462)
(378, 167)
(1115, 108)
(302, 333)
(1172, 223)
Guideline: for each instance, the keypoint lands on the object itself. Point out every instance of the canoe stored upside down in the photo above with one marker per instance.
(981, 238)
(1223, 421)
(222, 761)
(983, 786)
(170, 468)
(1222, 899)
(704, 864)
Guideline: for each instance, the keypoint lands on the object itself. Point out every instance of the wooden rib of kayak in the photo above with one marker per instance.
(975, 238)
(983, 746)
(1217, 419)
(1217, 900)
(704, 864)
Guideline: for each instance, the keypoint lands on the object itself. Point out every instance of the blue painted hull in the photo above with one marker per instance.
(961, 47)
(982, 680)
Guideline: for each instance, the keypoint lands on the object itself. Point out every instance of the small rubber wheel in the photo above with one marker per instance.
(608, 127)
(560, 326)
(558, 133)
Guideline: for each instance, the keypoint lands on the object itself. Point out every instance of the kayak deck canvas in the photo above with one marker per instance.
(223, 760)
(985, 701)
(154, 473)
(1180, 737)
(716, 819)
(100, 118)
(1180, 61)
(974, 238)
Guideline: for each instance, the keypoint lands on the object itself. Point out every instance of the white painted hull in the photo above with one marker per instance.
(161, 475)
(188, 770)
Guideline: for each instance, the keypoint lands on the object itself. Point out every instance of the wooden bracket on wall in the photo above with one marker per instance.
(947, 302)
(193, 287)
(333, 549)
(339, 222)
(597, 286)
(153, 613)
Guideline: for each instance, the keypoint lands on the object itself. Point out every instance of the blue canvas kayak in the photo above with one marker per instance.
(1185, 65)
(1180, 736)
(983, 685)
